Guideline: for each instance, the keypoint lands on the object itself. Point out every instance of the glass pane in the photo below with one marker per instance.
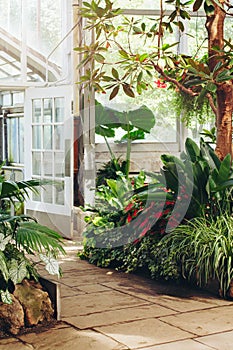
(48, 163)
(18, 98)
(48, 137)
(59, 193)
(36, 137)
(59, 164)
(36, 111)
(7, 100)
(21, 140)
(48, 194)
(59, 109)
(12, 131)
(58, 137)
(36, 163)
(36, 197)
(48, 110)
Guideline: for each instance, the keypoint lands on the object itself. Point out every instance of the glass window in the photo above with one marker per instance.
(12, 128)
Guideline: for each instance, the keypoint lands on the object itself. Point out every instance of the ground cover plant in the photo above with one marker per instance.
(147, 226)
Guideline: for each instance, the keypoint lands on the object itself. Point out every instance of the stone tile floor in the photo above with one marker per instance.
(103, 309)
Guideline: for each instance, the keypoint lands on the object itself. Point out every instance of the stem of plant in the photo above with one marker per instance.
(128, 151)
(109, 148)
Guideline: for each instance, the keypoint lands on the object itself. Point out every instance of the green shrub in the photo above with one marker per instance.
(21, 237)
(204, 249)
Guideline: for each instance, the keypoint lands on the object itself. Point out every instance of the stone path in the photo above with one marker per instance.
(103, 309)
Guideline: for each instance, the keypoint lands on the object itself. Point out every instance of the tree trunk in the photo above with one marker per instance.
(224, 95)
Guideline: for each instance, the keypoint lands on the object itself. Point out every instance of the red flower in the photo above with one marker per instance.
(129, 218)
(129, 207)
(170, 202)
(160, 84)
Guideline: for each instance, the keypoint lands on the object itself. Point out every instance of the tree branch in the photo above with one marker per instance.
(211, 102)
(173, 81)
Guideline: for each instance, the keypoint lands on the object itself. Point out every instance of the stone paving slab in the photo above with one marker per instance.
(97, 302)
(182, 304)
(181, 345)
(107, 310)
(203, 322)
(143, 333)
(67, 291)
(79, 279)
(156, 295)
(93, 288)
(118, 316)
(14, 344)
(221, 341)
(68, 338)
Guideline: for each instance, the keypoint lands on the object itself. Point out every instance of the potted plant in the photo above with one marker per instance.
(22, 239)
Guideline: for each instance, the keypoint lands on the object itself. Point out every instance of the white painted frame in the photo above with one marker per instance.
(51, 92)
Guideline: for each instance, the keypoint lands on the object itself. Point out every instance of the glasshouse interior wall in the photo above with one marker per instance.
(43, 107)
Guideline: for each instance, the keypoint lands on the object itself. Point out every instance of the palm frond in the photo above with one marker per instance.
(38, 238)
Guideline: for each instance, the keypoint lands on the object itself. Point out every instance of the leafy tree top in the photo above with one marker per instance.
(113, 65)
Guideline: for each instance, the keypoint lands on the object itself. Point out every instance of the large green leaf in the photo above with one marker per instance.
(3, 266)
(17, 271)
(142, 118)
(225, 169)
(38, 238)
(192, 149)
(51, 264)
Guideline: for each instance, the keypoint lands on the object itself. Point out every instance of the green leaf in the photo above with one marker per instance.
(211, 87)
(99, 58)
(137, 30)
(115, 74)
(3, 241)
(134, 135)
(3, 266)
(192, 149)
(51, 264)
(139, 77)
(17, 271)
(143, 57)
(104, 131)
(142, 118)
(123, 53)
(209, 8)
(38, 238)
(225, 169)
(5, 296)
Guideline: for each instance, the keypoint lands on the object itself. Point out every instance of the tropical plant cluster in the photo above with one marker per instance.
(23, 242)
(173, 224)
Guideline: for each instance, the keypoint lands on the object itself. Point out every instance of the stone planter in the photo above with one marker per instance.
(54, 292)
(32, 304)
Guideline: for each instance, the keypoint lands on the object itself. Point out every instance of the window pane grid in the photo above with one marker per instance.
(48, 148)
